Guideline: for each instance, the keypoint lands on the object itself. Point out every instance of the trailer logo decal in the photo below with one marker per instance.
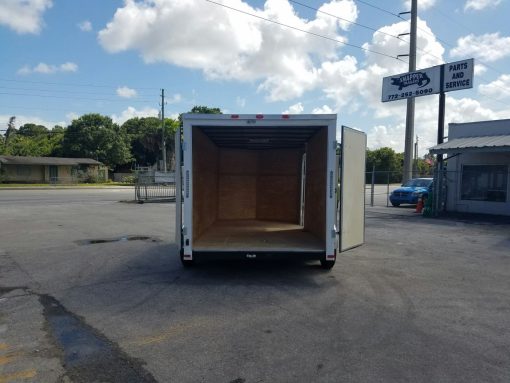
(417, 78)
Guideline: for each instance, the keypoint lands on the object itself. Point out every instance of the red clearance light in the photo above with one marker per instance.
(259, 116)
(285, 116)
(234, 116)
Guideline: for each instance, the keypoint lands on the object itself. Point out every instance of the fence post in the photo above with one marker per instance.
(373, 187)
(388, 189)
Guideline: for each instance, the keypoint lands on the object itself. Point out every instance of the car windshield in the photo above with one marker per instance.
(418, 182)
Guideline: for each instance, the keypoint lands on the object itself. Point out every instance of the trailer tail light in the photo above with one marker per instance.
(285, 116)
(331, 257)
(187, 257)
(234, 116)
(259, 116)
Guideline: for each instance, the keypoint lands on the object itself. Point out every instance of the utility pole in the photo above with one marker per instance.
(163, 144)
(408, 149)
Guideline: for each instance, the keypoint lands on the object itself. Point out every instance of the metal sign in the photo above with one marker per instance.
(412, 84)
(458, 75)
(442, 78)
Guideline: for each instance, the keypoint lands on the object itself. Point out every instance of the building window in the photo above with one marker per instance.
(484, 183)
(23, 170)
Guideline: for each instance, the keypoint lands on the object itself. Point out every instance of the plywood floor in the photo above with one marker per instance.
(242, 235)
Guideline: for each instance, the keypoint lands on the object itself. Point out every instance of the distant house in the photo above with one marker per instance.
(51, 170)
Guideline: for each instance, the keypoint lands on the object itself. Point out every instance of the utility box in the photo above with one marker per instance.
(259, 186)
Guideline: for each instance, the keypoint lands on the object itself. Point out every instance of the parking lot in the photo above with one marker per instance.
(92, 290)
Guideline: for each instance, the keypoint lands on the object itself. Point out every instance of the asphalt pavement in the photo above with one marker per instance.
(92, 290)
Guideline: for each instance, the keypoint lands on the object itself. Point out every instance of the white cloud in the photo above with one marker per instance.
(324, 109)
(72, 116)
(132, 112)
(68, 67)
(225, 44)
(126, 92)
(480, 69)
(24, 16)
(498, 89)
(477, 5)
(295, 109)
(85, 26)
(44, 68)
(488, 47)
(422, 5)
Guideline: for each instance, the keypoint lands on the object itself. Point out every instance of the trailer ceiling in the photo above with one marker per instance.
(260, 137)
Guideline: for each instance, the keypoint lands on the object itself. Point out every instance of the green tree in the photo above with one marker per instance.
(201, 109)
(96, 136)
(32, 130)
(145, 138)
(386, 162)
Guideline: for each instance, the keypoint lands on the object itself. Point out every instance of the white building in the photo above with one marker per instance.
(478, 167)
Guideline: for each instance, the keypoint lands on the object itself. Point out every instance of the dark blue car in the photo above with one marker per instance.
(411, 191)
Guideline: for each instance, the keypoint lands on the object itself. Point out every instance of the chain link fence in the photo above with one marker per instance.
(380, 183)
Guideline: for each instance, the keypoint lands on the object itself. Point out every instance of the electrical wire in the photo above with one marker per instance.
(342, 19)
(378, 8)
(74, 98)
(302, 30)
(71, 84)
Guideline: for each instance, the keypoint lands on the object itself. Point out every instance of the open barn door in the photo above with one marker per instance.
(352, 189)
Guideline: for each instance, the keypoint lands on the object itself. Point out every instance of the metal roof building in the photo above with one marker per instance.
(477, 173)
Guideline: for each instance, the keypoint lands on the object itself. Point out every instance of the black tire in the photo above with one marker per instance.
(395, 204)
(327, 265)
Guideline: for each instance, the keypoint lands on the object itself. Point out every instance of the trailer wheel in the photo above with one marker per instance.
(327, 265)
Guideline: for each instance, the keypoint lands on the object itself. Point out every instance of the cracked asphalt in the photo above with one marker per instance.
(91, 290)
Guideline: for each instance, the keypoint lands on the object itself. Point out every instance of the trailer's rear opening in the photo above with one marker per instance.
(248, 189)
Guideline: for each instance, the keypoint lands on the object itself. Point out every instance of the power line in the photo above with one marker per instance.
(74, 98)
(302, 30)
(342, 19)
(70, 84)
(378, 8)
(61, 91)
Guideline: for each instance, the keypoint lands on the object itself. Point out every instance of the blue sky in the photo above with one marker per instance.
(64, 58)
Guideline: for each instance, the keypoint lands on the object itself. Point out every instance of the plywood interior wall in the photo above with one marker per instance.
(278, 185)
(205, 182)
(262, 184)
(237, 184)
(315, 201)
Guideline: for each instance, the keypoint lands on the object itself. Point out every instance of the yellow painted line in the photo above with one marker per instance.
(17, 375)
(165, 335)
(4, 359)
(160, 337)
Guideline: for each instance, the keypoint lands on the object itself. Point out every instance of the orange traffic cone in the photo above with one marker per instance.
(419, 206)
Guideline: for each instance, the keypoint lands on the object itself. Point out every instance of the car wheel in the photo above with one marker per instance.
(395, 204)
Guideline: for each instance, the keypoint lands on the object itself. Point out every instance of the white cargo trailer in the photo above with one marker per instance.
(259, 186)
